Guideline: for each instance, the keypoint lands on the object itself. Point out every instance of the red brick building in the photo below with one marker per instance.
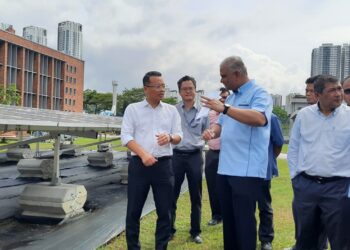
(44, 77)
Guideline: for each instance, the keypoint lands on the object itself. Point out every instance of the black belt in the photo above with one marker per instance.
(320, 179)
(186, 152)
(161, 158)
(215, 150)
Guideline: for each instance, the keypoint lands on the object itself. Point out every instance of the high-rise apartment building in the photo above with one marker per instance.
(70, 38)
(44, 78)
(277, 100)
(326, 59)
(345, 61)
(35, 34)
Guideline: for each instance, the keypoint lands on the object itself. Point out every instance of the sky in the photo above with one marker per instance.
(123, 39)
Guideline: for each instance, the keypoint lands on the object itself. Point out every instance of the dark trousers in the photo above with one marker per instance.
(211, 169)
(238, 197)
(316, 204)
(322, 242)
(161, 178)
(190, 165)
(266, 232)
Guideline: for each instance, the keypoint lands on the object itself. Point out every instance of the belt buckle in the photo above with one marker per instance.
(320, 180)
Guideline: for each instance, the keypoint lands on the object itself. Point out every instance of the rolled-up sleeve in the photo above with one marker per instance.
(128, 126)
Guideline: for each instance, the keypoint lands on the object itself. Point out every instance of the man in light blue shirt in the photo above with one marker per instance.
(318, 159)
(187, 159)
(244, 129)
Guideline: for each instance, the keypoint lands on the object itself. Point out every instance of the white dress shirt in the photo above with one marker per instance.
(320, 145)
(142, 122)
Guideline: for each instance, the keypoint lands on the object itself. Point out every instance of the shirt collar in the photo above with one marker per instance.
(244, 87)
(146, 104)
(335, 111)
(195, 106)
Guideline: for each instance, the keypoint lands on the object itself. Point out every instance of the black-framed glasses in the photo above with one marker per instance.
(157, 87)
(347, 91)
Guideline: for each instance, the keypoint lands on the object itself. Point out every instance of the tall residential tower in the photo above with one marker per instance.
(70, 38)
(326, 59)
(35, 34)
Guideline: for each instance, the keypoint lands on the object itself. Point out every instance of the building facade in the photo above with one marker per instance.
(7, 27)
(277, 100)
(35, 34)
(70, 39)
(345, 61)
(44, 78)
(295, 102)
(326, 59)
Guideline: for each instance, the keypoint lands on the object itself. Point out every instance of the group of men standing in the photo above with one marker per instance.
(166, 143)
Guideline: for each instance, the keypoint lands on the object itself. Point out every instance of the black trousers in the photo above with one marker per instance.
(238, 197)
(317, 204)
(161, 178)
(266, 232)
(190, 165)
(211, 169)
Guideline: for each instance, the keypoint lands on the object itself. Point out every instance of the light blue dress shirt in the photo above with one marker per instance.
(142, 122)
(244, 148)
(320, 145)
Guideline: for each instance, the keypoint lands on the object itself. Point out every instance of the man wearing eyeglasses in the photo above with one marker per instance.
(187, 158)
(346, 87)
(149, 130)
(318, 159)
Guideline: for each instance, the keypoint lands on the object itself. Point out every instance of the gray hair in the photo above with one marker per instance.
(235, 63)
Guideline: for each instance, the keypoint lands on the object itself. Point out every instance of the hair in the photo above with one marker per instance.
(321, 82)
(186, 78)
(346, 79)
(312, 79)
(235, 63)
(148, 75)
(223, 90)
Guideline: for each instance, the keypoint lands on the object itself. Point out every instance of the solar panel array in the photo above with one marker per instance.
(15, 118)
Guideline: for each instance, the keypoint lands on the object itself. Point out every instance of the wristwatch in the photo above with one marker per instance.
(171, 138)
(226, 107)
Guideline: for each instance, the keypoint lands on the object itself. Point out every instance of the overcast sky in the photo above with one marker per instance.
(122, 39)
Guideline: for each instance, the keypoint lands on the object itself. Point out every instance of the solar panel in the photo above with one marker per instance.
(23, 119)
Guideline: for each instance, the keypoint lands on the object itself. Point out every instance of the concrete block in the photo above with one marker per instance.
(100, 159)
(41, 168)
(104, 147)
(42, 200)
(73, 152)
(16, 154)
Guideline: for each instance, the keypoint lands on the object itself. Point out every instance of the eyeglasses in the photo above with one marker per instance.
(157, 87)
(187, 89)
(347, 91)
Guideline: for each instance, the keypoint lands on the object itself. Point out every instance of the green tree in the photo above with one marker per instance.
(95, 102)
(170, 100)
(9, 95)
(129, 96)
(280, 113)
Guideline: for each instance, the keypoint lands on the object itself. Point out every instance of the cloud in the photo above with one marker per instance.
(125, 38)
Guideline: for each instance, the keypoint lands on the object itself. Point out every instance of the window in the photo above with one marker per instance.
(70, 91)
(73, 102)
(75, 91)
(66, 90)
